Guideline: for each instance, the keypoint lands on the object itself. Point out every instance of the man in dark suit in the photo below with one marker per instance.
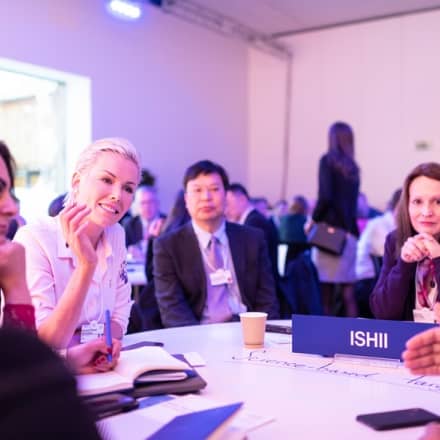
(209, 270)
(239, 209)
(147, 221)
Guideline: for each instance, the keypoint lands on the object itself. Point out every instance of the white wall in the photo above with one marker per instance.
(382, 77)
(266, 116)
(177, 91)
(182, 93)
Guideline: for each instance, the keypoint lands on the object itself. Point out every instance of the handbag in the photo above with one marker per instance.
(327, 238)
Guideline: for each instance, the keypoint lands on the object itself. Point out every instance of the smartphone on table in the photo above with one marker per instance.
(402, 418)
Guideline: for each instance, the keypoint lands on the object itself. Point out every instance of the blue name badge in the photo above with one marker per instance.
(327, 336)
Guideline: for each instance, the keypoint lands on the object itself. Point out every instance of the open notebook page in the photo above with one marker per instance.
(131, 364)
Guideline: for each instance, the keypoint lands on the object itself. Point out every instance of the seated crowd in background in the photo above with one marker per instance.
(365, 211)
(369, 255)
(331, 278)
(240, 209)
(145, 223)
(212, 258)
(291, 228)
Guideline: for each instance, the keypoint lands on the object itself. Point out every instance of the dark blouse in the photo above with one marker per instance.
(393, 297)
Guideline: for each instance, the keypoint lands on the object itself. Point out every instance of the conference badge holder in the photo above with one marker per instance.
(220, 277)
(92, 331)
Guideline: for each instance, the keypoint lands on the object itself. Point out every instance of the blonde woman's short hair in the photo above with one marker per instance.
(89, 155)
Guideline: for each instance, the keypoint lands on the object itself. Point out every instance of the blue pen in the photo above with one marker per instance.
(108, 335)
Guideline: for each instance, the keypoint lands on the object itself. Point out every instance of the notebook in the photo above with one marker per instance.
(193, 383)
(131, 365)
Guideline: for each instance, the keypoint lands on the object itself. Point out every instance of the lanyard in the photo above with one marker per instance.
(93, 322)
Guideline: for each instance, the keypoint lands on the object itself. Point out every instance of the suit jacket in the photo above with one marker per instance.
(393, 296)
(180, 278)
(259, 221)
(133, 229)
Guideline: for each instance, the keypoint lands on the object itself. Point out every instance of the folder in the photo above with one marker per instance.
(200, 425)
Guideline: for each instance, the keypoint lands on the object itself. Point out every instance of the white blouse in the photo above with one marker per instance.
(50, 264)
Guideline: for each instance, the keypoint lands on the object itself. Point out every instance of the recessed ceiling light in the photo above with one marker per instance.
(125, 9)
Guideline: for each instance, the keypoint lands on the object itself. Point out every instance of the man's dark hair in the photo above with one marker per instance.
(238, 188)
(205, 167)
(147, 178)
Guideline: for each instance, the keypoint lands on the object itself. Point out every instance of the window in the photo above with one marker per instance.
(38, 107)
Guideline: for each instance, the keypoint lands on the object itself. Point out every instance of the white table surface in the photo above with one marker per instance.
(306, 405)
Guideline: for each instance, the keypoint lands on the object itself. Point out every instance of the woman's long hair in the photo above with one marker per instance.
(11, 166)
(341, 150)
(404, 228)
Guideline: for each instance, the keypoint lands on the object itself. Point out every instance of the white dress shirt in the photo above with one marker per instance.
(203, 238)
(372, 242)
(50, 264)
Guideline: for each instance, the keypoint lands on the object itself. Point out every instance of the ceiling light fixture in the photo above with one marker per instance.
(125, 9)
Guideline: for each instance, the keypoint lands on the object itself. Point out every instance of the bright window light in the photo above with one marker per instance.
(125, 9)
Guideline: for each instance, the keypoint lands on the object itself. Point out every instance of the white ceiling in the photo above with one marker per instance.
(274, 17)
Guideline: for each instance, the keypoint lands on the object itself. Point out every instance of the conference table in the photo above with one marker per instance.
(305, 401)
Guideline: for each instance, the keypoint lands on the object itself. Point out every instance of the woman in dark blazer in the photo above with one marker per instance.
(407, 288)
(337, 206)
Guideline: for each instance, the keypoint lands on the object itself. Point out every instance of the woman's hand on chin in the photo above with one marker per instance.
(74, 222)
(414, 249)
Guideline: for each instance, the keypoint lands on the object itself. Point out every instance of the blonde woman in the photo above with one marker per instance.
(75, 262)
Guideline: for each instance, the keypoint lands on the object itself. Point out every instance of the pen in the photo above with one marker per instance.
(108, 335)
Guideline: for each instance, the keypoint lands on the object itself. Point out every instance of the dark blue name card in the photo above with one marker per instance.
(326, 335)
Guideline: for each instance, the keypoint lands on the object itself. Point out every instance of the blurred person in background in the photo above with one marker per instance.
(370, 250)
(147, 221)
(339, 181)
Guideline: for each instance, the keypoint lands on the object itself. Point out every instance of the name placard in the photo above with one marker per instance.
(328, 335)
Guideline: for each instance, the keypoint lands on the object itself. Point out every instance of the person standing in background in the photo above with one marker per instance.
(337, 205)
